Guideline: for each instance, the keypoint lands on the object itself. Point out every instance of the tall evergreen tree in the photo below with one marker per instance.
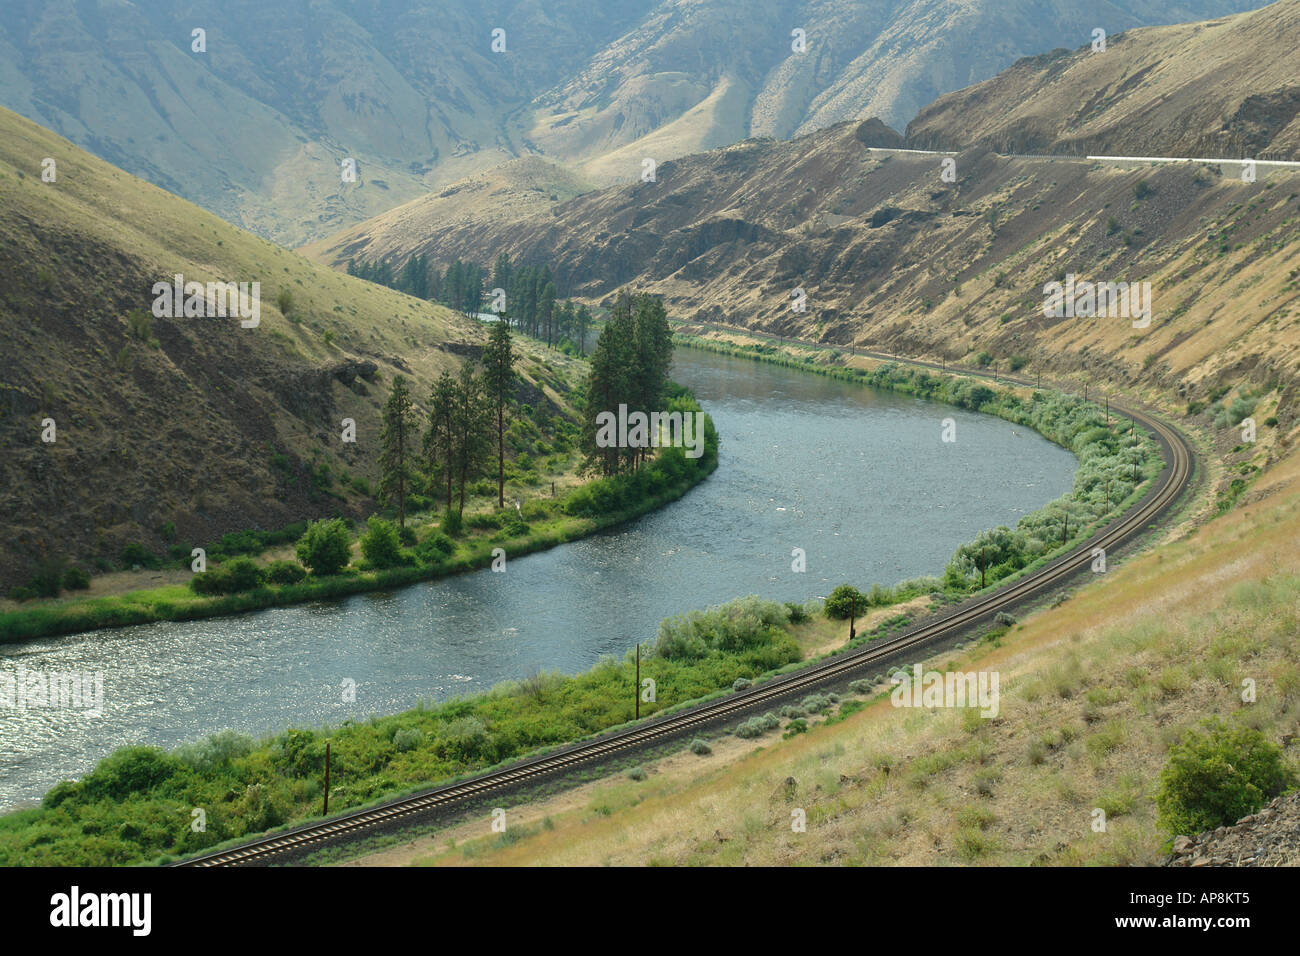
(470, 416)
(397, 447)
(440, 439)
(499, 380)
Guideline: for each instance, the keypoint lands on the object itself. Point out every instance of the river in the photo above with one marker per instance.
(857, 478)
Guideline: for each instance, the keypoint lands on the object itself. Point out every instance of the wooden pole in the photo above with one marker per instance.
(853, 618)
(637, 690)
(325, 812)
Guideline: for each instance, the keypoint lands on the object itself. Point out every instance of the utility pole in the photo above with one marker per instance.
(636, 691)
(325, 812)
(853, 617)
(1108, 410)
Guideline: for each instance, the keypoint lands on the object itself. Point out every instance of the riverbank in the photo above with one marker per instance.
(586, 509)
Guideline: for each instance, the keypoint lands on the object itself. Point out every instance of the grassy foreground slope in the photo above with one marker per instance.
(180, 430)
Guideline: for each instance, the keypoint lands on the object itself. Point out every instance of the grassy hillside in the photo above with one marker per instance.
(180, 430)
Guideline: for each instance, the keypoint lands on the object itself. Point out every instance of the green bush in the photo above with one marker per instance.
(48, 579)
(452, 524)
(435, 548)
(129, 771)
(380, 544)
(285, 572)
(407, 738)
(231, 577)
(840, 604)
(700, 748)
(136, 553)
(1216, 777)
(76, 579)
(326, 547)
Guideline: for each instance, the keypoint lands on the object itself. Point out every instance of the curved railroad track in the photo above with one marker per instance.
(1164, 491)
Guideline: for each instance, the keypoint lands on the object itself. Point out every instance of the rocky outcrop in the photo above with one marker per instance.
(1270, 837)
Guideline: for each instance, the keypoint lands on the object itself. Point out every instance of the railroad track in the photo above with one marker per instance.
(1164, 491)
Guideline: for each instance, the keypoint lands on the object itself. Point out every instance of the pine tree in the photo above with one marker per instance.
(469, 418)
(440, 440)
(498, 380)
(397, 446)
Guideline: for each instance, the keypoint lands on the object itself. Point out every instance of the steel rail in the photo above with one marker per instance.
(1167, 486)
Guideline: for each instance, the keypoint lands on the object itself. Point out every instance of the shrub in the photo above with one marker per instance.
(380, 544)
(742, 683)
(326, 547)
(637, 773)
(1215, 778)
(136, 553)
(219, 750)
(815, 703)
(757, 726)
(285, 572)
(235, 575)
(840, 604)
(126, 772)
(435, 547)
(408, 738)
(797, 613)
(860, 686)
(700, 748)
(1004, 619)
(452, 523)
(48, 580)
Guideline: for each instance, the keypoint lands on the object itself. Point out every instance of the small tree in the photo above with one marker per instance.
(842, 601)
(326, 547)
(380, 544)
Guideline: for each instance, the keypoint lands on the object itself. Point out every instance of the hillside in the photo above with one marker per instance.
(890, 256)
(415, 94)
(1224, 88)
(177, 429)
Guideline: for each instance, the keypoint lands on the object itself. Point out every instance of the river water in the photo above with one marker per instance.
(859, 479)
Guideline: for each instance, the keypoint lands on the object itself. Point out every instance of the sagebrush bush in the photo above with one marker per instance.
(1217, 776)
